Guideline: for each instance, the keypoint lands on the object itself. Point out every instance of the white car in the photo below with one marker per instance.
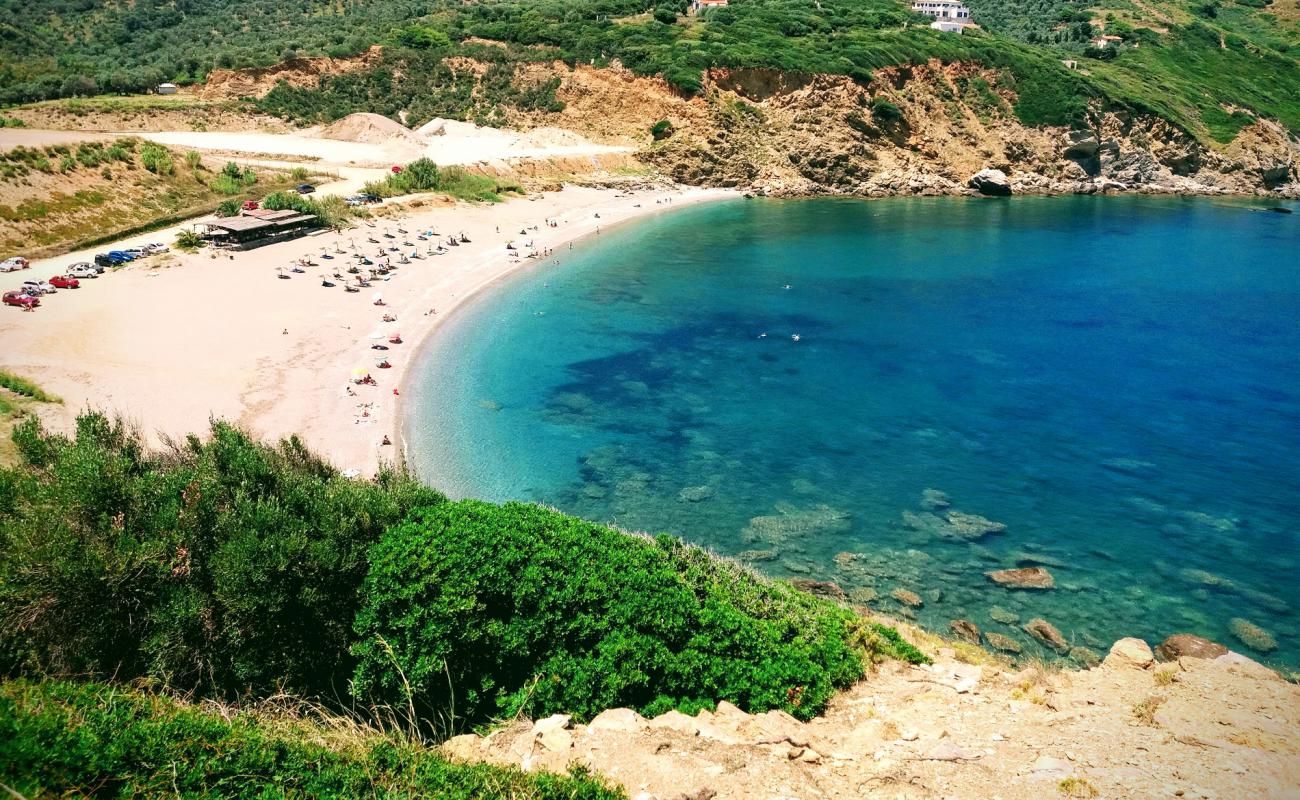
(157, 247)
(37, 288)
(83, 270)
(13, 264)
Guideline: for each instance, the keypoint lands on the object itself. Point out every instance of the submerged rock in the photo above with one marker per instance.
(829, 590)
(952, 524)
(695, 494)
(757, 555)
(966, 630)
(862, 595)
(1085, 657)
(1023, 578)
(1251, 635)
(1000, 614)
(790, 522)
(1186, 644)
(1046, 632)
(907, 597)
(1004, 643)
(934, 500)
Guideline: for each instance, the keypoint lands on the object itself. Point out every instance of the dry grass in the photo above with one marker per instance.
(1076, 788)
(1145, 711)
(1164, 676)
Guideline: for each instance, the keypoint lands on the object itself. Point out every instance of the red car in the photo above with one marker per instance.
(250, 205)
(64, 282)
(20, 299)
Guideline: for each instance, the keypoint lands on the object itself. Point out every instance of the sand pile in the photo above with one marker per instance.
(552, 137)
(369, 128)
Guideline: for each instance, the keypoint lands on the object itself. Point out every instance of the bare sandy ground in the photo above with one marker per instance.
(169, 344)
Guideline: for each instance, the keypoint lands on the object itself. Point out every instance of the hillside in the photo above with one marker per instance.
(1208, 68)
(65, 196)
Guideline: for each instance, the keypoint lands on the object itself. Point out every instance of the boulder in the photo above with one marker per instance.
(1023, 578)
(1129, 654)
(1046, 632)
(1186, 644)
(1081, 144)
(829, 590)
(676, 721)
(906, 597)
(934, 500)
(966, 630)
(623, 720)
(555, 722)
(999, 642)
(1253, 636)
(862, 595)
(695, 494)
(991, 182)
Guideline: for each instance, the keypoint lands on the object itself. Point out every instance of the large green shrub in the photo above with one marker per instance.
(220, 564)
(92, 740)
(485, 610)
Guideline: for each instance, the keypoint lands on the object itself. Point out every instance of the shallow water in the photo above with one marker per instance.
(1114, 379)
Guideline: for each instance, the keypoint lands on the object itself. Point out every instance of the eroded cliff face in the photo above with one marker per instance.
(234, 84)
(915, 129)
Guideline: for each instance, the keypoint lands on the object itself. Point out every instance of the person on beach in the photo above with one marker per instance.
(386, 440)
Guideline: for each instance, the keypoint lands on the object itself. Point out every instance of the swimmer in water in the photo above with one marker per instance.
(763, 335)
(787, 286)
(796, 337)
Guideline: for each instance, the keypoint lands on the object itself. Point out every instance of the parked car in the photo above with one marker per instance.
(122, 255)
(108, 260)
(82, 270)
(371, 198)
(250, 205)
(306, 188)
(157, 247)
(65, 282)
(14, 264)
(137, 252)
(38, 287)
(20, 299)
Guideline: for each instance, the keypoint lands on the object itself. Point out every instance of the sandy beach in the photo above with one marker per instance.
(174, 341)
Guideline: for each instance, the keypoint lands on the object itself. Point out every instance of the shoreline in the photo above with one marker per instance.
(174, 341)
(692, 196)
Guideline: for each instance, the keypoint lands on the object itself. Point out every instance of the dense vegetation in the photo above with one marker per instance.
(422, 175)
(1179, 58)
(493, 611)
(232, 569)
(84, 740)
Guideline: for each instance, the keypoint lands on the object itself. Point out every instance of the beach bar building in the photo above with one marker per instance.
(257, 228)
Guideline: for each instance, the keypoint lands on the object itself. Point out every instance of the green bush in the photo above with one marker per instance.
(84, 740)
(661, 130)
(157, 159)
(487, 611)
(229, 208)
(220, 564)
(193, 160)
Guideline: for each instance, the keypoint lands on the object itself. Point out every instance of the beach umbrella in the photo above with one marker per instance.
(377, 334)
(359, 373)
(377, 296)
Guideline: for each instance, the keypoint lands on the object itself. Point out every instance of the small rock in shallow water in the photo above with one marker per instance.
(757, 555)
(695, 494)
(1000, 614)
(934, 500)
(1186, 644)
(999, 642)
(965, 629)
(906, 597)
(1253, 636)
(862, 595)
(1024, 578)
(824, 589)
(1046, 632)
(1085, 657)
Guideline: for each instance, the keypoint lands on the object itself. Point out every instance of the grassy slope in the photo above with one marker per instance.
(65, 739)
(54, 199)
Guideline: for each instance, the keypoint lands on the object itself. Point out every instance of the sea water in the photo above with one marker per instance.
(1114, 380)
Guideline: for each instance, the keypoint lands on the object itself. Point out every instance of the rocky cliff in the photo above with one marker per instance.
(916, 129)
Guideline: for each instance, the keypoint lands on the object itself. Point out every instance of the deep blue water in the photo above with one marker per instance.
(1114, 379)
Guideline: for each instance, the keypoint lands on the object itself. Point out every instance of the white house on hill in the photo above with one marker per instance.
(942, 9)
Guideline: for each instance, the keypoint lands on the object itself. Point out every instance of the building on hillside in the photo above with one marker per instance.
(1107, 41)
(951, 26)
(1069, 63)
(700, 5)
(942, 9)
(167, 88)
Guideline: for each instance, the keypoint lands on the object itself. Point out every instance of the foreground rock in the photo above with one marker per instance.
(1046, 632)
(991, 182)
(1224, 729)
(1185, 645)
(1024, 578)
(965, 630)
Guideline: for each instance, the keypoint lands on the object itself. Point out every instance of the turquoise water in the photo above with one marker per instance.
(1113, 379)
